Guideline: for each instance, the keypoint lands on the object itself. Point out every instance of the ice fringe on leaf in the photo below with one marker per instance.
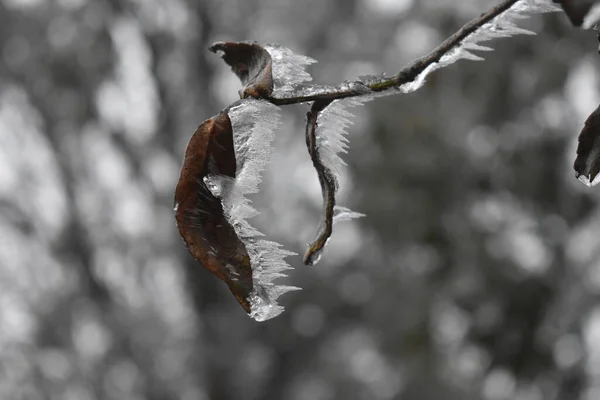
(253, 123)
(288, 70)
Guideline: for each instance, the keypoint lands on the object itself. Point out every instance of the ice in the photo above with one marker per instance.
(290, 78)
(341, 214)
(502, 26)
(289, 72)
(331, 142)
(253, 122)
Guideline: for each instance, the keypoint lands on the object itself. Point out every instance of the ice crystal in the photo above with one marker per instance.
(289, 73)
(253, 123)
(331, 142)
(502, 26)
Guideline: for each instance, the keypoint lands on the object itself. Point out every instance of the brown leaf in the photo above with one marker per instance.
(587, 164)
(578, 10)
(200, 218)
(251, 63)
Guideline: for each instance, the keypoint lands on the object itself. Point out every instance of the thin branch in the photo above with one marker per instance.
(411, 71)
(327, 181)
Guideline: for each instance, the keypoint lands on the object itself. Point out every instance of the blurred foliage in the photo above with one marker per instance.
(474, 276)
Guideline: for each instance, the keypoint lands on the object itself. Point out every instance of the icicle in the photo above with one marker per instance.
(331, 132)
(341, 214)
(253, 123)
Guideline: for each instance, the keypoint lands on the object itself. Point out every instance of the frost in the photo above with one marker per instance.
(289, 73)
(341, 214)
(502, 26)
(330, 143)
(331, 134)
(253, 123)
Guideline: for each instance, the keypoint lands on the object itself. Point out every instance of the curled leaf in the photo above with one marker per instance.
(253, 123)
(222, 164)
(587, 163)
(584, 13)
(210, 238)
(251, 63)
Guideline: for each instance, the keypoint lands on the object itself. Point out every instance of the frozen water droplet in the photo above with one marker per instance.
(502, 26)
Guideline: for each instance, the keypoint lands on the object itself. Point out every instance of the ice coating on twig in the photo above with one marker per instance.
(253, 122)
(502, 26)
(331, 133)
(289, 74)
(331, 141)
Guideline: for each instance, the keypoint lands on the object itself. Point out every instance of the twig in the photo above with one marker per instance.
(327, 181)
(411, 71)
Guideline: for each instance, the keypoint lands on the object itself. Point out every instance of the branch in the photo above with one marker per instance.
(411, 71)
(271, 76)
(326, 180)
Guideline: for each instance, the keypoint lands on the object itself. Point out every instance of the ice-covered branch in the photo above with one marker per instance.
(325, 139)
(496, 23)
(226, 154)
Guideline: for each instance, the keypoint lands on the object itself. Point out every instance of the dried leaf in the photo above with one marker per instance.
(587, 164)
(253, 122)
(199, 214)
(584, 13)
(251, 63)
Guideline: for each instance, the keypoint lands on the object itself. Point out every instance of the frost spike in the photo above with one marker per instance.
(326, 139)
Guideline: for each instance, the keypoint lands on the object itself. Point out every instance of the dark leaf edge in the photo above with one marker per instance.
(208, 235)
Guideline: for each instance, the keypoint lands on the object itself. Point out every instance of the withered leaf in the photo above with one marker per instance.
(587, 164)
(202, 224)
(580, 12)
(251, 63)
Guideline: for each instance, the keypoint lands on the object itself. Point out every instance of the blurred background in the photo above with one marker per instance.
(475, 274)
